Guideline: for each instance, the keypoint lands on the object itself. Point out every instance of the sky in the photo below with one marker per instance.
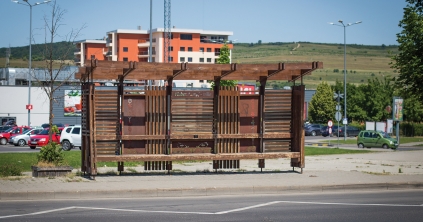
(249, 20)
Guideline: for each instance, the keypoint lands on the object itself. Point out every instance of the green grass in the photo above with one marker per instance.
(313, 151)
(24, 161)
(354, 141)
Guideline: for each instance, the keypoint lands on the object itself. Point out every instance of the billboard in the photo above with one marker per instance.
(397, 114)
(72, 106)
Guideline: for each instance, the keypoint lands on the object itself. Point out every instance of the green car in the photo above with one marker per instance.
(372, 138)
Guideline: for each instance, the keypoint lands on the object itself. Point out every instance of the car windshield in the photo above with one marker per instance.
(26, 131)
(44, 132)
(385, 135)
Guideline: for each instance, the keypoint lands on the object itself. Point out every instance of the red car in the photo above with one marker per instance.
(16, 130)
(41, 139)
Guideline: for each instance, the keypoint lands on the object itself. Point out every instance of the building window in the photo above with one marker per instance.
(125, 49)
(170, 49)
(189, 59)
(208, 49)
(182, 59)
(201, 49)
(182, 49)
(186, 37)
(170, 59)
(189, 49)
(208, 59)
(201, 81)
(201, 59)
(125, 59)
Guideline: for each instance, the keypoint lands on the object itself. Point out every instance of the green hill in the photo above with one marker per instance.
(363, 62)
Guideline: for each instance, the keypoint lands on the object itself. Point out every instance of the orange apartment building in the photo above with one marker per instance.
(186, 45)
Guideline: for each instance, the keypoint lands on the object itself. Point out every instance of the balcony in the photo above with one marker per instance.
(77, 51)
(109, 43)
(108, 54)
(145, 54)
(143, 43)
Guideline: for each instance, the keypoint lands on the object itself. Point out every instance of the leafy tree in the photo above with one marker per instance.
(322, 104)
(378, 95)
(413, 108)
(409, 60)
(224, 58)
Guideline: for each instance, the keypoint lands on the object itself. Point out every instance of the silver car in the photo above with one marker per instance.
(22, 139)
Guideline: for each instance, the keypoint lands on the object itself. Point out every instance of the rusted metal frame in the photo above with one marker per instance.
(314, 66)
(199, 156)
(281, 67)
(169, 113)
(216, 117)
(92, 154)
(120, 111)
(178, 72)
(226, 73)
(263, 81)
(131, 68)
(297, 141)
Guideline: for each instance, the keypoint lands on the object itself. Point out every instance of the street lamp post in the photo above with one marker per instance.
(345, 69)
(29, 107)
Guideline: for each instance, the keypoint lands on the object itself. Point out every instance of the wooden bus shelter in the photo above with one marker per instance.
(159, 125)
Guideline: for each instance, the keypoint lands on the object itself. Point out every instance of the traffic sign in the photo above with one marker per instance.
(330, 123)
(338, 107)
(330, 131)
(338, 116)
(345, 121)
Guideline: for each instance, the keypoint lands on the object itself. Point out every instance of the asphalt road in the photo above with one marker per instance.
(365, 206)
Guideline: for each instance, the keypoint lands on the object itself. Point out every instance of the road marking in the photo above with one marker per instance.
(209, 213)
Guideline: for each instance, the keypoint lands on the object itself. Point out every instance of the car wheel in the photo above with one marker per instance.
(32, 147)
(360, 145)
(21, 143)
(66, 145)
(384, 146)
(313, 133)
(3, 141)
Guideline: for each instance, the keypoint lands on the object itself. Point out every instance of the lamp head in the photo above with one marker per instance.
(340, 21)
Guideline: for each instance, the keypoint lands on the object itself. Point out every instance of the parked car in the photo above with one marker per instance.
(71, 137)
(313, 130)
(16, 130)
(47, 125)
(372, 138)
(325, 131)
(351, 131)
(4, 128)
(41, 139)
(22, 139)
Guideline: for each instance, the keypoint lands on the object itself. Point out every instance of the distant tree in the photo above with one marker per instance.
(259, 42)
(322, 104)
(377, 96)
(224, 58)
(409, 60)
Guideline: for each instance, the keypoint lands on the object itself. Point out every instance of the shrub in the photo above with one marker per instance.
(411, 129)
(51, 153)
(10, 170)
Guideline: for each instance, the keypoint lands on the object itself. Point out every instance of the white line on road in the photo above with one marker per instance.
(208, 213)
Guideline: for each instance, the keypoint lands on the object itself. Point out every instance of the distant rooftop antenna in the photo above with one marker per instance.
(167, 30)
(7, 57)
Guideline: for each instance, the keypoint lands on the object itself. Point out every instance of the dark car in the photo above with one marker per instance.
(47, 125)
(325, 131)
(351, 131)
(313, 130)
(4, 128)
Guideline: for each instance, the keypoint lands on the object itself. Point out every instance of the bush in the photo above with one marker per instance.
(10, 170)
(411, 129)
(51, 153)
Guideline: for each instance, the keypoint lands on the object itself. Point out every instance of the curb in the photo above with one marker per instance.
(319, 144)
(196, 192)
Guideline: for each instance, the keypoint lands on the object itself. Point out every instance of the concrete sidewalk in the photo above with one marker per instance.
(385, 170)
